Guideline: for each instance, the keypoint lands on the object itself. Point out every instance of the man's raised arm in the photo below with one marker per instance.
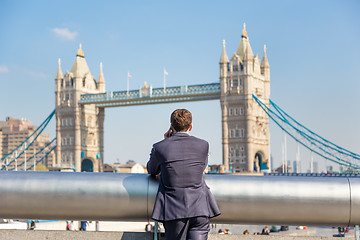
(153, 166)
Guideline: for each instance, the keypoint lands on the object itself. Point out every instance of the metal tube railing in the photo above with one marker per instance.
(277, 200)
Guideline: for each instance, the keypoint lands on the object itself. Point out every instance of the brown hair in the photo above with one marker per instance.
(181, 120)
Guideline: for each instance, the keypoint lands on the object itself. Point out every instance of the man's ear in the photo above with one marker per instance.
(190, 128)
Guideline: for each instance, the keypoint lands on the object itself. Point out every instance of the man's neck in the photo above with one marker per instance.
(187, 131)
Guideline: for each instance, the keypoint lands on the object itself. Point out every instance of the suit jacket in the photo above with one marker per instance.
(182, 192)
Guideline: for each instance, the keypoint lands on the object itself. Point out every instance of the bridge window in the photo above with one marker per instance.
(241, 111)
(230, 111)
(236, 111)
(65, 141)
(232, 133)
(235, 67)
(242, 132)
(235, 83)
(237, 133)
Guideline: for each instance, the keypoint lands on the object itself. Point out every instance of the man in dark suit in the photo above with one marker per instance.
(184, 202)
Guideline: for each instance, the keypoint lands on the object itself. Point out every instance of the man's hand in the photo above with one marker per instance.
(168, 133)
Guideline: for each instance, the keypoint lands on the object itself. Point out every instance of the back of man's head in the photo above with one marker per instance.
(181, 120)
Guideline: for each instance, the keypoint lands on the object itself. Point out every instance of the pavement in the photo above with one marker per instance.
(135, 230)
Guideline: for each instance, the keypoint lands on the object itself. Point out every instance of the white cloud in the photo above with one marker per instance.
(65, 33)
(36, 74)
(4, 69)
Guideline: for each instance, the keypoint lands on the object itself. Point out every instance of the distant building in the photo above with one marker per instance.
(315, 167)
(283, 169)
(216, 168)
(12, 133)
(129, 167)
(296, 166)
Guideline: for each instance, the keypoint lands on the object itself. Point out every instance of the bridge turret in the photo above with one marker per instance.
(248, 59)
(265, 70)
(224, 71)
(59, 74)
(224, 68)
(264, 63)
(59, 81)
(101, 80)
(224, 58)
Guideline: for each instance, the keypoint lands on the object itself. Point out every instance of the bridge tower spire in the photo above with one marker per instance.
(79, 129)
(101, 80)
(245, 126)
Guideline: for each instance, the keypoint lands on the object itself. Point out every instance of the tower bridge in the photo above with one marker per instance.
(81, 100)
(244, 94)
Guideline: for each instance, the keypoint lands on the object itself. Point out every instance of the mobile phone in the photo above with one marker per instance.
(170, 132)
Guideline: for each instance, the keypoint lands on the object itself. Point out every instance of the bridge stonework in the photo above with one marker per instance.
(79, 128)
(245, 126)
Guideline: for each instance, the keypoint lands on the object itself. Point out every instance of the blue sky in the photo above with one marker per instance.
(312, 46)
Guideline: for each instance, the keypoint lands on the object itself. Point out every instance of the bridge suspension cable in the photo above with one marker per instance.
(23, 146)
(41, 159)
(307, 138)
(35, 155)
(315, 137)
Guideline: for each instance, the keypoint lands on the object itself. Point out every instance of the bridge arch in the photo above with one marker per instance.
(259, 162)
(87, 165)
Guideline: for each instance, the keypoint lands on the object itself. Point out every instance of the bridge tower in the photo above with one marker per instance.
(79, 128)
(245, 126)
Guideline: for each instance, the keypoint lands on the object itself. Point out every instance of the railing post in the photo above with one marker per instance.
(156, 230)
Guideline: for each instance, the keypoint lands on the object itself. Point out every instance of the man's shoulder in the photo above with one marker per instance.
(182, 136)
(199, 140)
(160, 142)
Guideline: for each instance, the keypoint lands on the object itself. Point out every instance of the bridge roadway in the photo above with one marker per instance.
(149, 95)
